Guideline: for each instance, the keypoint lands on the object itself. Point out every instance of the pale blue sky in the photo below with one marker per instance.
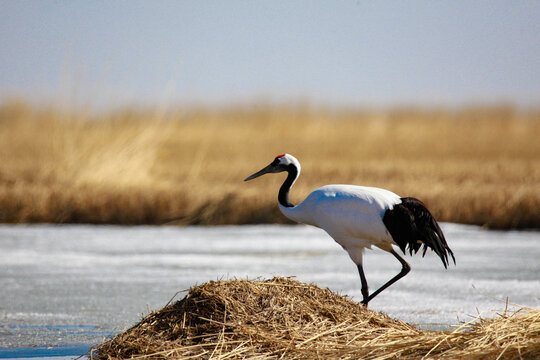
(353, 53)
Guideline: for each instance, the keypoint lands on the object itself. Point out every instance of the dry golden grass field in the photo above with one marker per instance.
(186, 166)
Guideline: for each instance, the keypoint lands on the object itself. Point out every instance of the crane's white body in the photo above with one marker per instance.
(357, 217)
(351, 215)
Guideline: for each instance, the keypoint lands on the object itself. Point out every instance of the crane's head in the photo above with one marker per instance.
(283, 162)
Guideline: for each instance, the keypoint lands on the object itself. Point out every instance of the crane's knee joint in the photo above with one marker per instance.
(405, 269)
(365, 293)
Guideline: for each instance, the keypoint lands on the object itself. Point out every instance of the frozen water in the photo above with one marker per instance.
(73, 285)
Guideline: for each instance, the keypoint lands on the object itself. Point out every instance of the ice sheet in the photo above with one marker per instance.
(69, 285)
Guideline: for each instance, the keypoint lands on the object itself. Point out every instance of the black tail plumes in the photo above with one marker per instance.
(411, 224)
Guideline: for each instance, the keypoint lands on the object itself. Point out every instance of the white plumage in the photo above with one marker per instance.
(351, 215)
(357, 217)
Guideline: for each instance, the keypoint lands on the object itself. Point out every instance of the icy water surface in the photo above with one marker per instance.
(73, 286)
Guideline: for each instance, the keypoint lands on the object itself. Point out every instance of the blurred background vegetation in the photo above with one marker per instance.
(473, 165)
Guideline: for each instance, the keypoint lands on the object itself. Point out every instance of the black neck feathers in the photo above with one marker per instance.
(283, 196)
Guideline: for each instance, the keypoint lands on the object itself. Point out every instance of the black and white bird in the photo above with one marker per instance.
(358, 217)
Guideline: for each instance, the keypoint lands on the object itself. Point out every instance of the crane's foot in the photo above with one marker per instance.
(365, 295)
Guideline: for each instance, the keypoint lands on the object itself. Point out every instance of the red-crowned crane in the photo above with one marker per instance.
(357, 217)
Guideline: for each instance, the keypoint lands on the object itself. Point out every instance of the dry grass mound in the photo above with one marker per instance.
(283, 318)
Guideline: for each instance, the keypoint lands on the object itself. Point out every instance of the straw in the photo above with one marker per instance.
(283, 318)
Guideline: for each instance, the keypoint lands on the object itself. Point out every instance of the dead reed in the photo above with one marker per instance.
(186, 166)
(284, 319)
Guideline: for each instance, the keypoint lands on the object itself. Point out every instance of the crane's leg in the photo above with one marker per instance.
(404, 270)
(365, 290)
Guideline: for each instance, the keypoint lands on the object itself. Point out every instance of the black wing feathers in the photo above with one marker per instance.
(411, 225)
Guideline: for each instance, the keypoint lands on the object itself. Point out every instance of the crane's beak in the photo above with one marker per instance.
(266, 170)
